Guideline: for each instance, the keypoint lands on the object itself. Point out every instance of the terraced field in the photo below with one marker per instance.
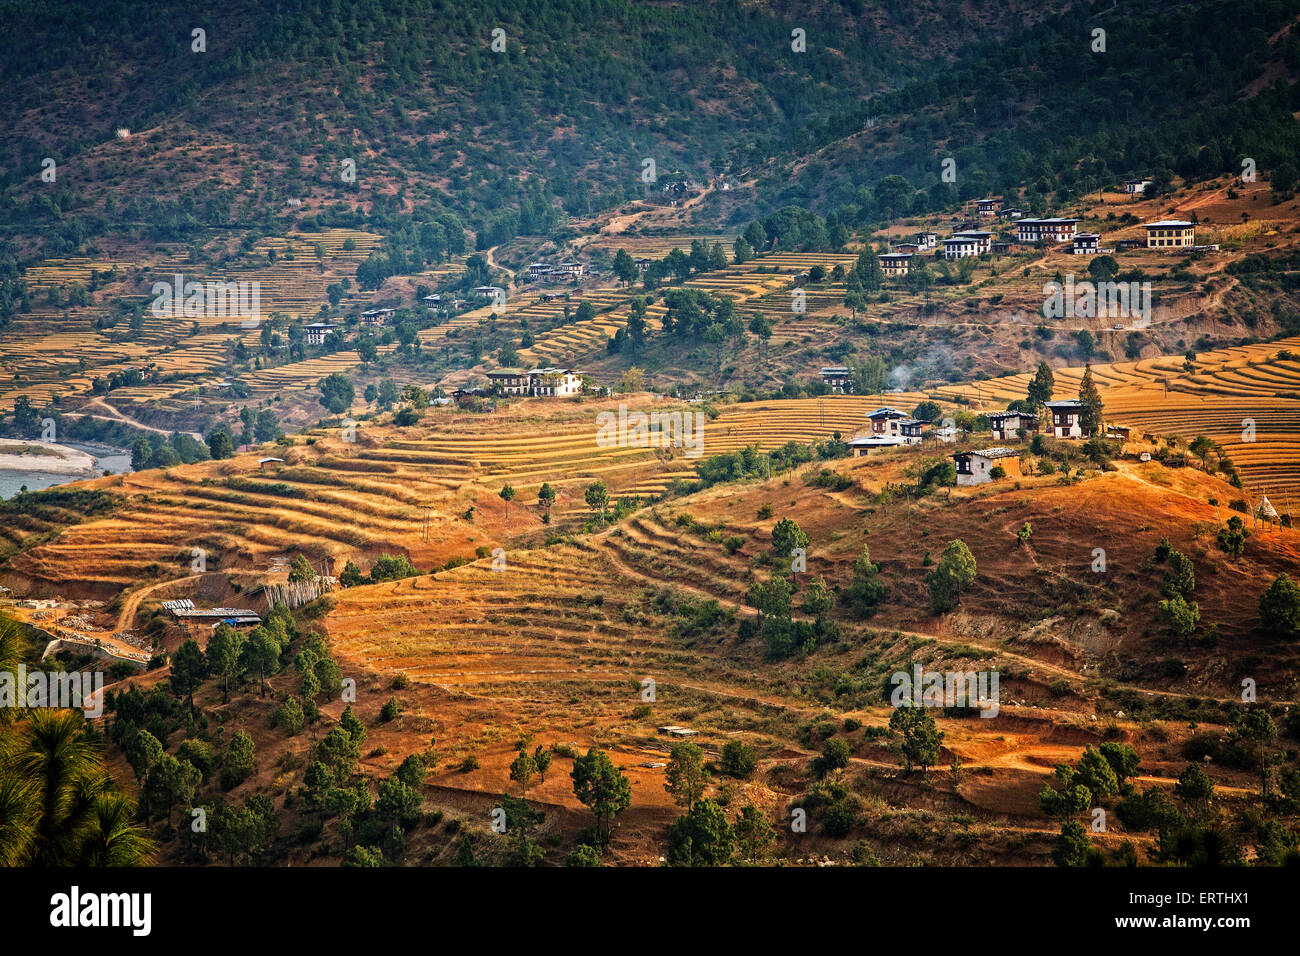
(336, 500)
(58, 351)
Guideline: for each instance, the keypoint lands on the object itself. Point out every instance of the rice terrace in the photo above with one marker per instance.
(648, 435)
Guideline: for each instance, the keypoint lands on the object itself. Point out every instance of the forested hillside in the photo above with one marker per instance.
(319, 113)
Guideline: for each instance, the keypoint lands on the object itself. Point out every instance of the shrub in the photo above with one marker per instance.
(739, 760)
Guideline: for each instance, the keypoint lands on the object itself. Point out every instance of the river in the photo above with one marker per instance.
(106, 459)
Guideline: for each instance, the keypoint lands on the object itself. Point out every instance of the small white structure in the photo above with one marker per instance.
(1135, 187)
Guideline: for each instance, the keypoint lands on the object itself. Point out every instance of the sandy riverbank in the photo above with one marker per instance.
(52, 460)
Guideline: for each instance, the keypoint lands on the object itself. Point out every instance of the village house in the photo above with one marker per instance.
(554, 382)
(926, 240)
(880, 420)
(961, 247)
(987, 207)
(894, 264)
(269, 464)
(1135, 187)
(317, 332)
(1007, 425)
(1001, 248)
(1066, 418)
(911, 430)
(909, 247)
(1170, 233)
(538, 270)
(1086, 244)
(976, 467)
(509, 381)
(1118, 432)
(838, 378)
(568, 270)
(1125, 245)
(541, 382)
(376, 316)
(1056, 229)
(642, 265)
(859, 447)
(433, 299)
(983, 237)
(1012, 212)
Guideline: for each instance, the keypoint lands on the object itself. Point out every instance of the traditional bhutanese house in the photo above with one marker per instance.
(960, 247)
(1055, 229)
(269, 464)
(926, 240)
(987, 207)
(433, 299)
(376, 316)
(1135, 187)
(538, 270)
(1170, 233)
(860, 446)
(569, 270)
(1118, 432)
(908, 247)
(894, 264)
(1007, 425)
(838, 378)
(509, 381)
(554, 382)
(1126, 244)
(1001, 248)
(976, 467)
(1065, 418)
(1086, 244)
(984, 238)
(910, 430)
(552, 296)
(880, 420)
(642, 265)
(317, 332)
(1012, 212)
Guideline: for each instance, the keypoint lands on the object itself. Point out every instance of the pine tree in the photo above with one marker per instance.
(1090, 418)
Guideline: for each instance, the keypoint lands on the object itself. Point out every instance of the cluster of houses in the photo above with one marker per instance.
(891, 428)
(970, 241)
(546, 272)
(538, 382)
